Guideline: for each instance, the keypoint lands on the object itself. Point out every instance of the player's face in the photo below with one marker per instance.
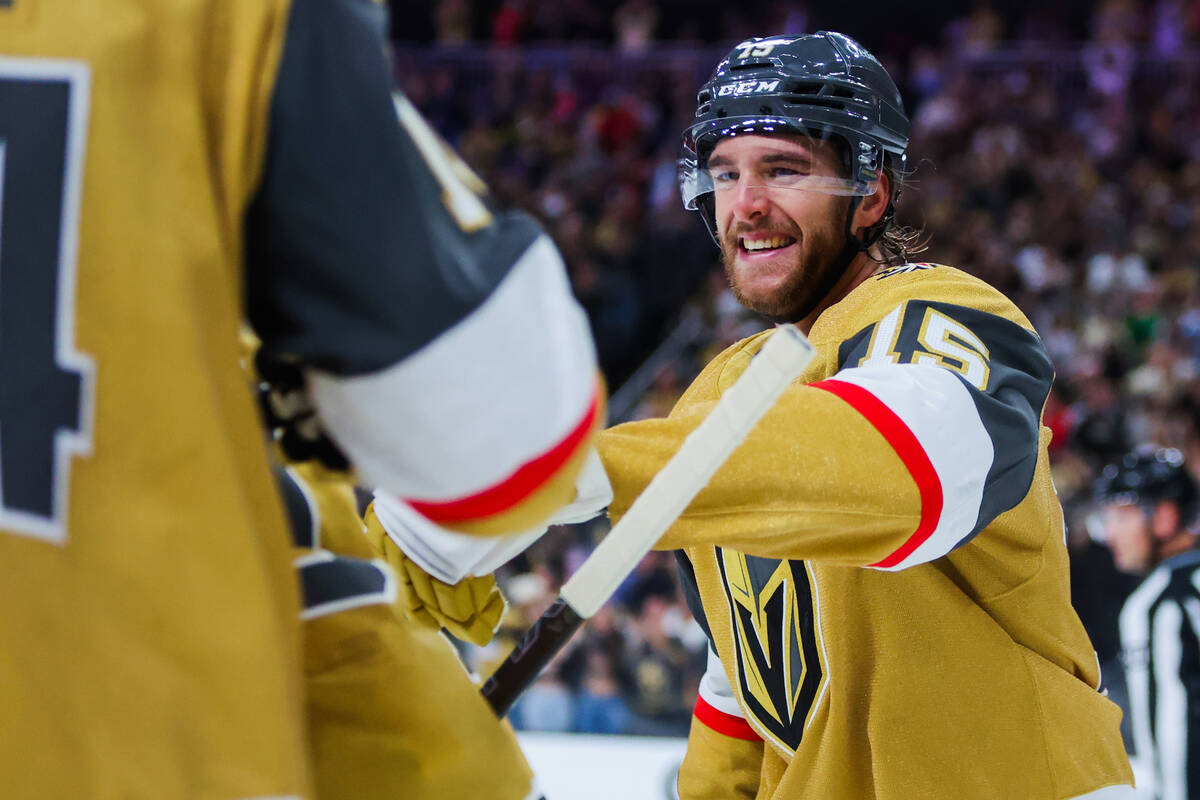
(778, 242)
(1127, 534)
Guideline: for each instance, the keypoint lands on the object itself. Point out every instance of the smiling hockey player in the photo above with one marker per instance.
(880, 567)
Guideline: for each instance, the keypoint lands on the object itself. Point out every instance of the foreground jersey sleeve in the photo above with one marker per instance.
(444, 350)
(921, 427)
(391, 711)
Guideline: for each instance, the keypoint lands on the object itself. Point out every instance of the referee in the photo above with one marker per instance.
(1147, 508)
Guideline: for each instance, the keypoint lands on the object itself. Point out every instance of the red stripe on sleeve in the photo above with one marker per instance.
(906, 445)
(521, 484)
(725, 724)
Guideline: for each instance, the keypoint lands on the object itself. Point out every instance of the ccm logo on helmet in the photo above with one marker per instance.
(747, 87)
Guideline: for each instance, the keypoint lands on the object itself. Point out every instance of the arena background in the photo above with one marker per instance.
(1056, 154)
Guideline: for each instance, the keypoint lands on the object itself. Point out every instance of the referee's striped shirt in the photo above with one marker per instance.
(1160, 641)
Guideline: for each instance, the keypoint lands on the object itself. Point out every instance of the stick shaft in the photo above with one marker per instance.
(783, 357)
(537, 647)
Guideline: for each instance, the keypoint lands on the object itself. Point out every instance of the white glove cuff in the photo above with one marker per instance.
(450, 556)
(593, 493)
(446, 555)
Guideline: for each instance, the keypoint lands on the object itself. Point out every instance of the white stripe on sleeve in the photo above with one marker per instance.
(503, 386)
(715, 689)
(937, 408)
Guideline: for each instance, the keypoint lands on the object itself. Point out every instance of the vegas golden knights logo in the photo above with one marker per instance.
(779, 664)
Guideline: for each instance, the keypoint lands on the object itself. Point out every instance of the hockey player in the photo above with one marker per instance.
(880, 566)
(169, 167)
(1148, 505)
(391, 710)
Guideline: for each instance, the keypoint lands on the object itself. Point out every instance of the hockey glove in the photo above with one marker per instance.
(447, 574)
(470, 609)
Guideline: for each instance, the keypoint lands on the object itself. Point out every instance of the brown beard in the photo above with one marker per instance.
(819, 254)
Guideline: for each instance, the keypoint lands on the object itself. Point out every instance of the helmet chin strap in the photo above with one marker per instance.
(851, 247)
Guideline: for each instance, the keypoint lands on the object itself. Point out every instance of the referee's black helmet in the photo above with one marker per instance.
(1148, 478)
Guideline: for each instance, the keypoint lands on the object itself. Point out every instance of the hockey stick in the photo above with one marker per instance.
(783, 357)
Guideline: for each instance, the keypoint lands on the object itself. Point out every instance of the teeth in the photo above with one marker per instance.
(767, 244)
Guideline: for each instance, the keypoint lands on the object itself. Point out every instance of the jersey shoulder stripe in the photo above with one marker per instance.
(911, 452)
(976, 356)
(523, 414)
(518, 487)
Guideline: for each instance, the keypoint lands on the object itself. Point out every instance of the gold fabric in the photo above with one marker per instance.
(470, 609)
(966, 678)
(719, 767)
(392, 712)
(155, 652)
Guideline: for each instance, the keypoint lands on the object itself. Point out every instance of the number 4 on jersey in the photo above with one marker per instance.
(45, 384)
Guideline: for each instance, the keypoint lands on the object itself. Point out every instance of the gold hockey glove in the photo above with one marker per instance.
(470, 609)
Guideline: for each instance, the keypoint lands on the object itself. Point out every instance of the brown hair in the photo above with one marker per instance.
(896, 242)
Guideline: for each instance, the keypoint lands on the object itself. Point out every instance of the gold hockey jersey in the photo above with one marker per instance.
(148, 638)
(169, 168)
(881, 566)
(392, 712)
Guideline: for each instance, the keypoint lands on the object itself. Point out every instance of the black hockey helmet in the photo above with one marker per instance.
(1147, 478)
(824, 85)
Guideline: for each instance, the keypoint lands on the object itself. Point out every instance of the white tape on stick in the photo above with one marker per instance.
(782, 358)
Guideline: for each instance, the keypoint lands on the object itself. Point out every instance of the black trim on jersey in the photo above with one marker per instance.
(903, 269)
(1011, 407)
(353, 262)
(341, 581)
(303, 520)
(691, 594)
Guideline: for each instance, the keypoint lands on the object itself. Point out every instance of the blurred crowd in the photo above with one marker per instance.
(1060, 165)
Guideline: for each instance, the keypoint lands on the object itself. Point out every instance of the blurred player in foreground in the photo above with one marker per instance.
(1147, 516)
(392, 713)
(168, 169)
(881, 566)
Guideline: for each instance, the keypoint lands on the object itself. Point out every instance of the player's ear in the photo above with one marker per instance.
(873, 206)
(1164, 521)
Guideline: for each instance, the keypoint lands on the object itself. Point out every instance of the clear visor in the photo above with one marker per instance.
(797, 159)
